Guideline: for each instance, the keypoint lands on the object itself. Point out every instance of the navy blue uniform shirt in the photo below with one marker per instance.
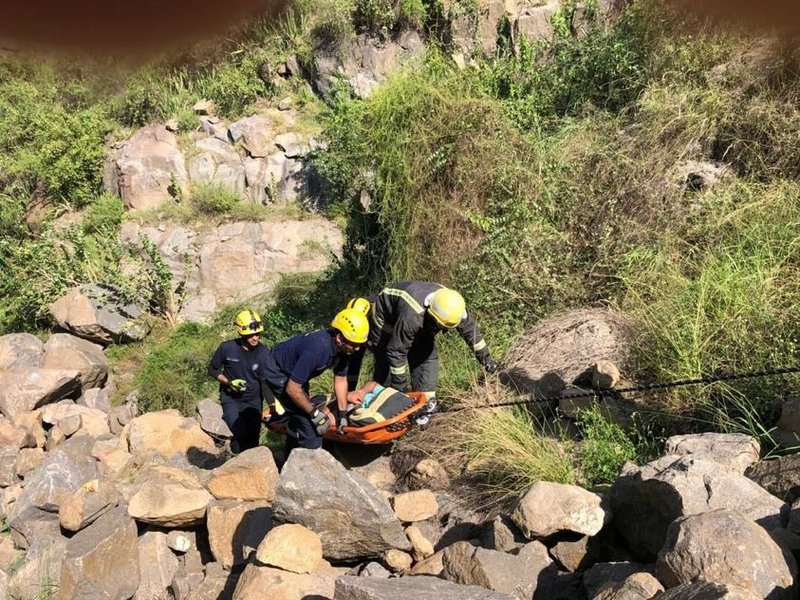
(307, 355)
(237, 363)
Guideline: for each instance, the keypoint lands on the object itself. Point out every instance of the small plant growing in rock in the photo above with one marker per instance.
(214, 199)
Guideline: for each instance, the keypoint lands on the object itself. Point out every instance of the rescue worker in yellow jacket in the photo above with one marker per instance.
(405, 318)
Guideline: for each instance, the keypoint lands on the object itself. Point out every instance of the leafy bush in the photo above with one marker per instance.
(214, 198)
(104, 215)
(174, 374)
(50, 141)
(605, 447)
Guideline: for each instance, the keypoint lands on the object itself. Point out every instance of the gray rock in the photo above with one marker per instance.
(779, 476)
(65, 351)
(20, 350)
(98, 313)
(615, 572)
(218, 163)
(705, 590)
(32, 525)
(144, 169)
(62, 472)
(157, 566)
(40, 572)
(561, 347)
(646, 500)
(406, 588)
(210, 416)
(255, 134)
(518, 575)
(95, 398)
(8, 465)
(736, 451)
(741, 553)
(25, 389)
(639, 586)
(570, 508)
(352, 517)
(102, 560)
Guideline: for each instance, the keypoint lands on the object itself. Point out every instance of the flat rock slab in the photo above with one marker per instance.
(405, 588)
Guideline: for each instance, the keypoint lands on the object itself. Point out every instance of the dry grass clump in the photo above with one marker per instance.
(498, 452)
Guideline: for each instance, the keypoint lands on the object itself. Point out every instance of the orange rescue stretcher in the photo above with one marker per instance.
(381, 432)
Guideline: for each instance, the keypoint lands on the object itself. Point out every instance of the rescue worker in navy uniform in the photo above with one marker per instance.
(294, 362)
(406, 317)
(239, 365)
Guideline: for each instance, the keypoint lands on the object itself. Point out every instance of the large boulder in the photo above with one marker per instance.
(145, 170)
(168, 497)
(779, 476)
(725, 547)
(353, 518)
(102, 561)
(235, 529)
(99, 313)
(158, 566)
(259, 582)
(373, 588)
(20, 350)
(559, 349)
(292, 548)
(646, 500)
(705, 590)
(24, 389)
(364, 63)
(65, 351)
(518, 575)
(218, 163)
(255, 133)
(251, 475)
(61, 473)
(736, 451)
(569, 508)
(167, 432)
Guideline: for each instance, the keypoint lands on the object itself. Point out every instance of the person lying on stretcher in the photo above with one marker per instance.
(372, 403)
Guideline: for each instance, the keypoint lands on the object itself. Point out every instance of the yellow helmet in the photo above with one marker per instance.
(353, 325)
(360, 304)
(248, 322)
(447, 307)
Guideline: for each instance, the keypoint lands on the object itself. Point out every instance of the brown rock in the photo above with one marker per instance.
(292, 548)
(415, 506)
(397, 560)
(259, 583)
(236, 528)
(168, 497)
(101, 561)
(22, 390)
(252, 475)
(168, 433)
(87, 504)
(423, 548)
(68, 352)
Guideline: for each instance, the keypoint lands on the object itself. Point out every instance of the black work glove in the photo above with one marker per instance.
(320, 421)
(490, 365)
(342, 423)
(400, 383)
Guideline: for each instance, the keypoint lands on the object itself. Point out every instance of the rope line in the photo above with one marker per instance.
(647, 387)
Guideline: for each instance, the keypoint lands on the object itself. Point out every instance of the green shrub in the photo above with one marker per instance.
(214, 198)
(375, 16)
(50, 141)
(175, 372)
(604, 448)
(104, 215)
